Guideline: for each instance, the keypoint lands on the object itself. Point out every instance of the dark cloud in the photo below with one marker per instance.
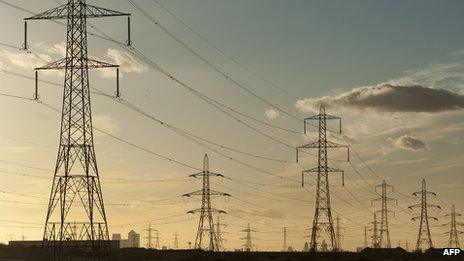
(390, 98)
(407, 142)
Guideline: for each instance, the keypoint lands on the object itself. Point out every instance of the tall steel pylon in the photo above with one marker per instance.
(76, 214)
(375, 232)
(424, 237)
(322, 221)
(176, 240)
(384, 237)
(365, 236)
(249, 246)
(338, 233)
(206, 224)
(219, 233)
(149, 236)
(453, 232)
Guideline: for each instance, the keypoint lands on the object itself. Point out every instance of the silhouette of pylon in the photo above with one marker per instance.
(424, 238)
(384, 238)
(249, 246)
(206, 222)
(322, 221)
(453, 241)
(76, 190)
(375, 232)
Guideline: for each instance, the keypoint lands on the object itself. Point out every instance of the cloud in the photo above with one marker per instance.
(25, 60)
(407, 142)
(126, 62)
(271, 114)
(387, 98)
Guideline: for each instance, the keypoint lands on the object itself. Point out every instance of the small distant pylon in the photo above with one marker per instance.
(375, 233)
(219, 232)
(384, 239)
(365, 236)
(323, 227)
(424, 238)
(249, 246)
(157, 239)
(284, 246)
(176, 240)
(453, 241)
(338, 233)
(206, 229)
(149, 237)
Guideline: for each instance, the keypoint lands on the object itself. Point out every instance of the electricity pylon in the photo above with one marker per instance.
(206, 223)
(284, 246)
(365, 236)
(76, 176)
(424, 237)
(322, 221)
(384, 241)
(249, 246)
(149, 236)
(338, 234)
(375, 232)
(219, 234)
(157, 239)
(453, 241)
(176, 240)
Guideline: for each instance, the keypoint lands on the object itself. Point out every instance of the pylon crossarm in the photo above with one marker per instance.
(201, 209)
(96, 12)
(218, 193)
(194, 193)
(414, 206)
(60, 12)
(63, 64)
(433, 206)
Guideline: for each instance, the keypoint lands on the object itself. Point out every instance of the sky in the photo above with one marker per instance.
(393, 70)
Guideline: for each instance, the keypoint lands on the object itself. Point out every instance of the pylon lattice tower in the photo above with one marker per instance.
(149, 236)
(206, 227)
(453, 241)
(365, 236)
(249, 246)
(176, 240)
(157, 239)
(76, 176)
(424, 238)
(384, 237)
(284, 246)
(219, 233)
(375, 232)
(322, 221)
(338, 233)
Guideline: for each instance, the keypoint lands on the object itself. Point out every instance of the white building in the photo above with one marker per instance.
(133, 240)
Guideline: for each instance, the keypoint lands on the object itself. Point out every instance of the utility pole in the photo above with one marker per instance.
(384, 241)
(248, 244)
(338, 234)
(76, 176)
(322, 221)
(453, 241)
(176, 241)
(424, 238)
(375, 233)
(206, 223)
(284, 247)
(149, 237)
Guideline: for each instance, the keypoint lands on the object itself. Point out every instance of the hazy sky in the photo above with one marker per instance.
(394, 71)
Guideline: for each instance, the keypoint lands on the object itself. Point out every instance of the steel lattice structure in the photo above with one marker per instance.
(424, 238)
(453, 232)
(284, 245)
(375, 232)
(206, 228)
(322, 222)
(76, 214)
(249, 246)
(384, 237)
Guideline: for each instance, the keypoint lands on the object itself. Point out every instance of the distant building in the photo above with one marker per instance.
(133, 240)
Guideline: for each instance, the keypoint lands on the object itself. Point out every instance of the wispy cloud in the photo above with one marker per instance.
(271, 114)
(407, 142)
(126, 62)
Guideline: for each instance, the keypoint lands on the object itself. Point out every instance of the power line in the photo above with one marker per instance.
(224, 53)
(214, 67)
